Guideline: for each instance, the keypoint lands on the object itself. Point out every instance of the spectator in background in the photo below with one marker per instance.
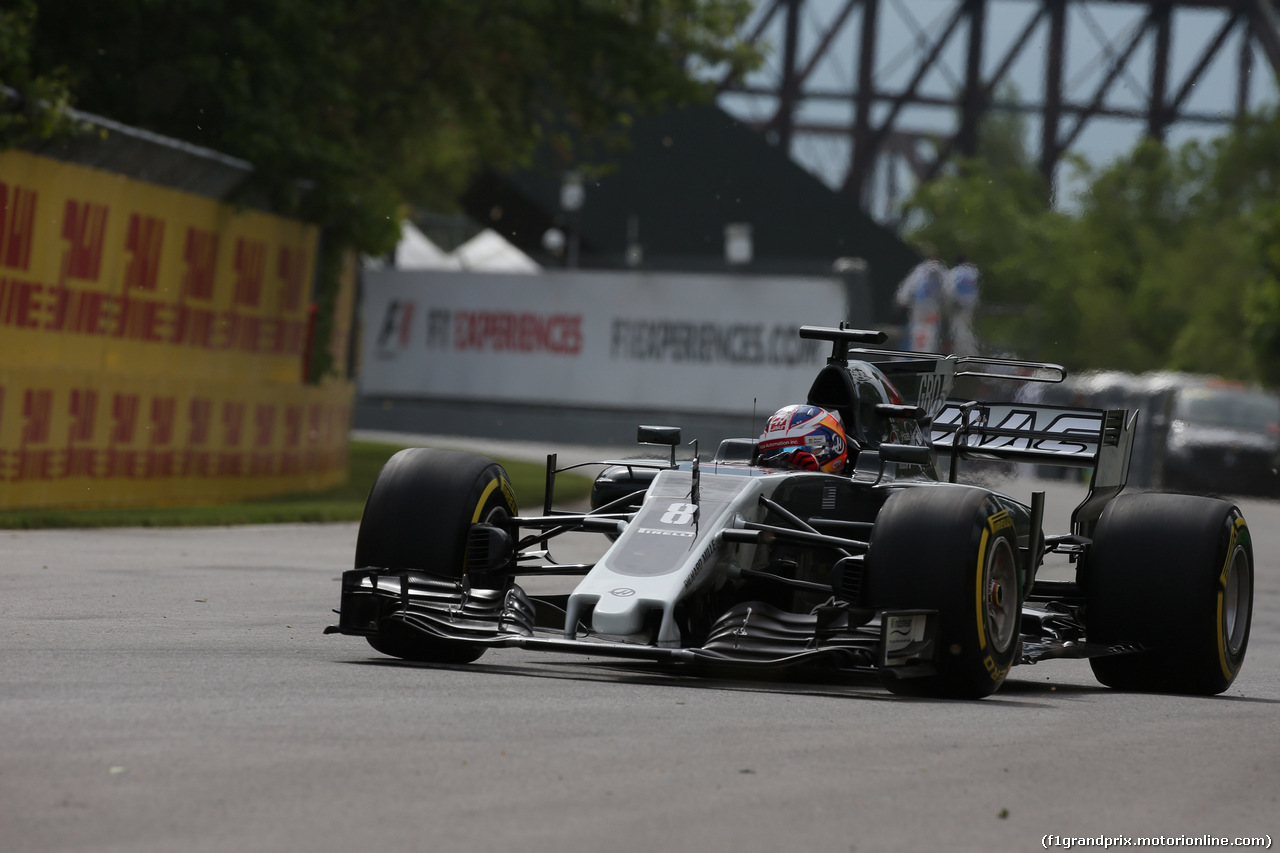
(921, 293)
(961, 296)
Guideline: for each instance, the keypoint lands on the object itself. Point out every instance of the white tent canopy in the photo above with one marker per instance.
(489, 252)
(415, 251)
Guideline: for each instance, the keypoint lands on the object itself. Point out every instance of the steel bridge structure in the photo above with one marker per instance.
(899, 88)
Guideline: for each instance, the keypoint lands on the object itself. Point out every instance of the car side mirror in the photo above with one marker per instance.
(908, 454)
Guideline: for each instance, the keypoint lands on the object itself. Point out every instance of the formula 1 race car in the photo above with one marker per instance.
(729, 566)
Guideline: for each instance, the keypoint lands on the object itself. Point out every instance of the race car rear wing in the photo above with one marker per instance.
(1101, 440)
(1026, 432)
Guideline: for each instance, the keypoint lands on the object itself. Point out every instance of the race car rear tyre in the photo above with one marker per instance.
(1174, 574)
(950, 549)
(417, 516)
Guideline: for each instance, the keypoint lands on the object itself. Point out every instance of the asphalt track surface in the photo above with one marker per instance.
(171, 690)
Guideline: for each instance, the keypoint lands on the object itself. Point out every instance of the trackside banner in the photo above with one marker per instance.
(152, 345)
(699, 343)
(73, 438)
(99, 271)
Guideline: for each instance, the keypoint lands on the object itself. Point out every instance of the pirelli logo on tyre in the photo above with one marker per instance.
(508, 492)
(1000, 521)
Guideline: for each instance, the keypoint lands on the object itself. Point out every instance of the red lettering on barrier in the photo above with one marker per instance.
(163, 415)
(232, 423)
(291, 270)
(250, 333)
(250, 267)
(295, 337)
(124, 426)
(20, 303)
(194, 326)
(269, 335)
(313, 423)
(229, 462)
(84, 414)
(241, 331)
(200, 252)
(140, 319)
(17, 225)
(199, 420)
(229, 465)
(158, 462)
(85, 311)
(124, 414)
(290, 463)
(81, 461)
(37, 413)
(264, 420)
(143, 241)
(33, 464)
(292, 425)
(197, 463)
(290, 459)
(122, 463)
(84, 225)
(559, 334)
(311, 455)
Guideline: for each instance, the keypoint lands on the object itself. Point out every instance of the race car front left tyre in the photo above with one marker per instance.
(1172, 574)
(954, 550)
(417, 517)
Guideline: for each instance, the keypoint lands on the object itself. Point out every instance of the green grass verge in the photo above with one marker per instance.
(340, 503)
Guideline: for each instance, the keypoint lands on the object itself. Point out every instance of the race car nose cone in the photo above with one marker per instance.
(620, 614)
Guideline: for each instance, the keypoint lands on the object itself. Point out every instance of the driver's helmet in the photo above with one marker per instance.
(805, 438)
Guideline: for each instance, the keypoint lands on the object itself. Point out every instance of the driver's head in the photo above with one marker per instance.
(803, 437)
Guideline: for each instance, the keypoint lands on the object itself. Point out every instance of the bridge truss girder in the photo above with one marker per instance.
(878, 128)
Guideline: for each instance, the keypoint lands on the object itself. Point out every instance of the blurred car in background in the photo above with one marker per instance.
(1223, 437)
(1195, 433)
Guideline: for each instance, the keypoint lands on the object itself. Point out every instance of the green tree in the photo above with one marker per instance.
(1244, 188)
(350, 108)
(33, 106)
(1168, 259)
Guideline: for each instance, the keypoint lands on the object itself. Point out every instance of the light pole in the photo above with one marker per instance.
(572, 195)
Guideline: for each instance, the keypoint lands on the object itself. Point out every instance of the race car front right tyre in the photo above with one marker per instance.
(417, 516)
(1174, 575)
(950, 549)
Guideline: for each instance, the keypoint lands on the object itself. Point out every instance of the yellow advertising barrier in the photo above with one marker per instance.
(78, 439)
(99, 271)
(152, 346)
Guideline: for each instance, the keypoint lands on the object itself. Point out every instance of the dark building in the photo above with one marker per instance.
(687, 174)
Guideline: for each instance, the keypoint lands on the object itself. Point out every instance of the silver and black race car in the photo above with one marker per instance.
(727, 567)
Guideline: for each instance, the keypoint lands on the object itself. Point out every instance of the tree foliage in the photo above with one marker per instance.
(1166, 259)
(33, 106)
(350, 108)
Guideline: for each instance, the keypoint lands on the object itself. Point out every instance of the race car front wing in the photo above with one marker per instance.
(750, 636)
